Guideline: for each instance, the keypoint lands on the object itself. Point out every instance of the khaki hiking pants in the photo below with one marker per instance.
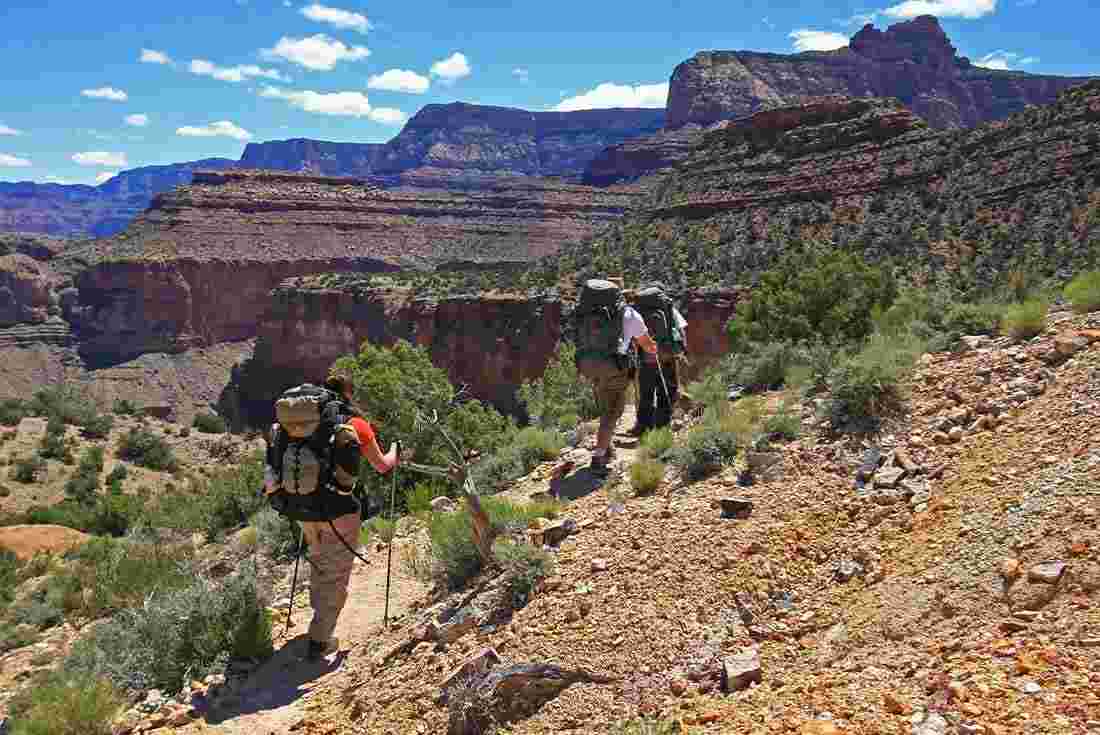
(330, 571)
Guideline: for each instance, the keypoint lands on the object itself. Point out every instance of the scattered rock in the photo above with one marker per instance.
(741, 670)
(928, 723)
(955, 434)
(443, 504)
(904, 461)
(1010, 570)
(476, 666)
(1049, 572)
(847, 569)
(895, 706)
(1067, 345)
(820, 727)
(599, 565)
(735, 507)
(940, 437)
(889, 477)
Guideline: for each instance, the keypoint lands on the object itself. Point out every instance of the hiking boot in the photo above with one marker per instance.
(319, 649)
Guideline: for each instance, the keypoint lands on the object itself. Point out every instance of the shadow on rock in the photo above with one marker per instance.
(277, 683)
(584, 481)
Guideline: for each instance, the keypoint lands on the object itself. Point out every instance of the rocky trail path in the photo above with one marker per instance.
(277, 696)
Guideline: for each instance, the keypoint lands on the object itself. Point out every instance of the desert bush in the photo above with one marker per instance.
(9, 575)
(97, 426)
(785, 423)
(1083, 292)
(12, 411)
(381, 529)
(15, 636)
(525, 565)
(761, 366)
(417, 562)
(124, 407)
(119, 472)
(108, 574)
(646, 475)
(868, 383)
(656, 443)
(276, 535)
(209, 423)
(177, 635)
(59, 704)
(223, 501)
(981, 318)
(1026, 320)
(37, 612)
(144, 448)
(705, 449)
(560, 397)
(54, 444)
(26, 470)
(64, 402)
(526, 449)
(810, 294)
(452, 543)
(645, 726)
(537, 445)
(419, 499)
(84, 483)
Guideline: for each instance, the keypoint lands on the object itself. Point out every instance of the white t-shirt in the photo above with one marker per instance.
(677, 317)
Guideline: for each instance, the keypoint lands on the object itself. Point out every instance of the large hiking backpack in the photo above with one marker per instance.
(656, 309)
(598, 319)
(308, 416)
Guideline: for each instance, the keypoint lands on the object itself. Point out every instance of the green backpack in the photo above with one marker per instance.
(598, 319)
(656, 309)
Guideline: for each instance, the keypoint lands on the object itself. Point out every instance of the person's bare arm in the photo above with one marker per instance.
(383, 463)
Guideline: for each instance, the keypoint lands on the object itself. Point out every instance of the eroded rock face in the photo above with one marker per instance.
(198, 267)
(491, 343)
(25, 290)
(913, 61)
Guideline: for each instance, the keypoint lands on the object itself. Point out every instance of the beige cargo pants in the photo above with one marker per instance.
(330, 571)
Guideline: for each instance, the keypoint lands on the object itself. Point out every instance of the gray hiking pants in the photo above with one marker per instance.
(330, 571)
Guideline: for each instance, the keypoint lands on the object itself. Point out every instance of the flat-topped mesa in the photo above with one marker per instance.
(913, 61)
(196, 268)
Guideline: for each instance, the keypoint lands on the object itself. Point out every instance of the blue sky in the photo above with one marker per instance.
(91, 88)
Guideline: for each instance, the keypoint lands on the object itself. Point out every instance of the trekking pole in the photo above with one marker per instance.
(294, 579)
(389, 552)
(664, 385)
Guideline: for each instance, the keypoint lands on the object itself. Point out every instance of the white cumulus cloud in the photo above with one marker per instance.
(452, 68)
(610, 94)
(346, 104)
(239, 73)
(105, 93)
(105, 159)
(5, 130)
(522, 75)
(149, 56)
(943, 8)
(138, 121)
(317, 52)
(1004, 60)
(806, 39)
(219, 129)
(105, 176)
(13, 162)
(343, 19)
(399, 80)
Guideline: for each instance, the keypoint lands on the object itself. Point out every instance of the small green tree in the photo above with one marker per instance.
(560, 393)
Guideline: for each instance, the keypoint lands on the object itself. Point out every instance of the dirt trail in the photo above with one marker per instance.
(277, 695)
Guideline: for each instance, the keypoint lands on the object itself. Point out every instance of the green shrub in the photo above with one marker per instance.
(12, 411)
(1083, 292)
(177, 635)
(525, 565)
(1026, 320)
(868, 383)
(705, 449)
(54, 445)
(646, 475)
(761, 366)
(14, 636)
(419, 499)
(381, 528)
(807, 295)
(144, 448)
(972, 318)
(9, 575)
(537, 445)
(97, 426)
(37, 613)
(452, 541)
(84, 483)
(65, 705)
(124, 407)
(225, 500)
(66, 403)
(109, 574)
(118, 473)
(656, 443)
(26, 470)
(209, 423)
(276, 535)
(560, 398)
